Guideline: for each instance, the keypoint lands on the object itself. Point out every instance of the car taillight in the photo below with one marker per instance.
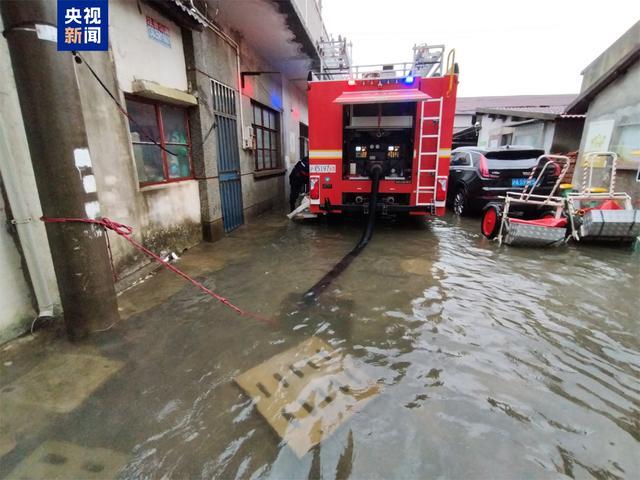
(484, 169)
(314, 188)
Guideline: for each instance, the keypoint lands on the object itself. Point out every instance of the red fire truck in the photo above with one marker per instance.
(391, 122)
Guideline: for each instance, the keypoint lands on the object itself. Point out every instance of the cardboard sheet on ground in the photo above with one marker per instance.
(307, 392)
(61, 382)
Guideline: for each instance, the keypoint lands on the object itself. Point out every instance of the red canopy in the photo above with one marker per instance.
(382, 96)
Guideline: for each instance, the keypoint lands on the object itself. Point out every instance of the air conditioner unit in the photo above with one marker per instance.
(248, 138)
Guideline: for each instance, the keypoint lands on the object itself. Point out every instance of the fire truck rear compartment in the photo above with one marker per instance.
(378, 134)
(384, 198)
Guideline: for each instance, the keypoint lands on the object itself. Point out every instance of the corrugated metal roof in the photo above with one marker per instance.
(551, 104)
(539, 113)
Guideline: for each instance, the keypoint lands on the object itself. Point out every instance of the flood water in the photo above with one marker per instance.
(493, 362)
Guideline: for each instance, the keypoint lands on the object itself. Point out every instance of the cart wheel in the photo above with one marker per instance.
(491, 217)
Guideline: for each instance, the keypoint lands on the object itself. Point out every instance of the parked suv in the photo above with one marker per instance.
(478, 176)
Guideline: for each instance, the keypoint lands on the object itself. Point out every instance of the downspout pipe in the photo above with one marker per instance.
(20, 185)
(30, 230)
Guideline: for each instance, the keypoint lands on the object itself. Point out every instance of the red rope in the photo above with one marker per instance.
(126, 231)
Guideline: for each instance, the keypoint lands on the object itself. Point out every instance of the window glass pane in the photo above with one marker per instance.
(148, 163)
(274, 140)
(267, 140)
(174, 124)
(272, 120)
(259, 137)
(144, 126)
(260, 160)
(257, 115)
(178, 164)
(267, 159)
(628, 142)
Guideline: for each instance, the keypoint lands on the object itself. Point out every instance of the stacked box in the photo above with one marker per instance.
(526, 235)
(611, 225)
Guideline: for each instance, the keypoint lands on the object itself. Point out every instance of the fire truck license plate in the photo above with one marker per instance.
(322, 169)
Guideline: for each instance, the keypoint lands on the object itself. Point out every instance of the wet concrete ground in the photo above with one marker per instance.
(491, 362)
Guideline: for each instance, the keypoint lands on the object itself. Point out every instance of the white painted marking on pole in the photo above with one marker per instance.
(82, 157)
(92, 209)
(89, 182)
(47, 32)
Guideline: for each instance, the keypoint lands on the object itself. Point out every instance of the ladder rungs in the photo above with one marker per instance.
(431, 118)
(429, 153)
(432, 170)
(426, 188)
(430, 136)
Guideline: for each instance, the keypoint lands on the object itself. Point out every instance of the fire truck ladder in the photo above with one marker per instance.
(428, 161)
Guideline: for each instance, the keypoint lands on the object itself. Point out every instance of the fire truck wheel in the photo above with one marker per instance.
(491, 218)
(461, 203)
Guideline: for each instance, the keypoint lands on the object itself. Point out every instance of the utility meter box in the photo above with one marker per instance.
(248, 138)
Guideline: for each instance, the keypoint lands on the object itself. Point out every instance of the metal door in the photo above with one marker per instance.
(224, 106)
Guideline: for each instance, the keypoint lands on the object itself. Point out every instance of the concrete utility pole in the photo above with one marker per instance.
(50, 102)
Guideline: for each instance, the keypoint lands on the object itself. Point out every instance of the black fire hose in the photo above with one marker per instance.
(342, 265)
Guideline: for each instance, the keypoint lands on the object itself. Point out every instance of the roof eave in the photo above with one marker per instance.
(517, 113)
(302, 36)
(581, 103)
(179, 12)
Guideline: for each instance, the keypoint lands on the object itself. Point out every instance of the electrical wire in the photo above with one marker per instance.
(80, 59)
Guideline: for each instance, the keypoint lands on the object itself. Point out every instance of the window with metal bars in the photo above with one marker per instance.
(161, 141)
(266, 124)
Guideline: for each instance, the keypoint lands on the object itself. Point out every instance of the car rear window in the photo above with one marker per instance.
(510, 159)
(514, 154)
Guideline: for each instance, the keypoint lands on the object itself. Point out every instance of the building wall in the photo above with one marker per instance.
(19, 200)
(261, 193)
(489, 126)
(210, 57)
(296, 111)
(164, 217)
(548, 135)
(613, 123)
(311, 14)
(17, 303)
(601, 65)
(462, 121)
(137, 55)
(538, 134)
(169, 216)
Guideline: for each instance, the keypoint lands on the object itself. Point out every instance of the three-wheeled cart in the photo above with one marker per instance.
(601, 213)
(527, 218)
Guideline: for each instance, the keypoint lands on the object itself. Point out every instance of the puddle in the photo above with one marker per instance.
(490, 363)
